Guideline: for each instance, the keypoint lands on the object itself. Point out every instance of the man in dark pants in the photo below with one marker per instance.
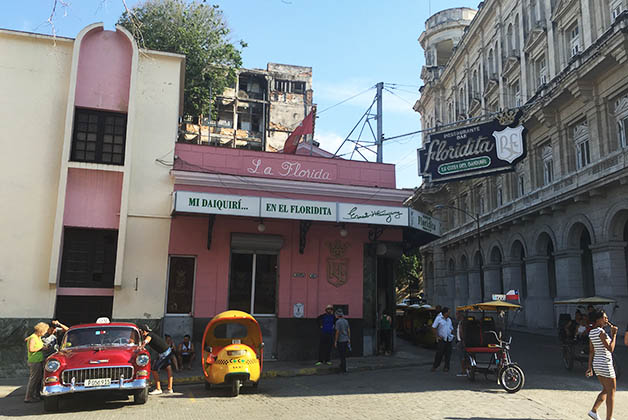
(326, 323)
(342, 340)
(444, 329)
(158, 344)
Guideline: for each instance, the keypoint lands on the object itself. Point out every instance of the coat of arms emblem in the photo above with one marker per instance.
(336, 263)
(509, 143)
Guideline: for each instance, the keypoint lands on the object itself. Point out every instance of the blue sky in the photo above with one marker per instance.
(350, 45)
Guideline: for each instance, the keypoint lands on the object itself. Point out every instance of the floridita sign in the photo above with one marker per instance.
(473, 151)
(281, 208)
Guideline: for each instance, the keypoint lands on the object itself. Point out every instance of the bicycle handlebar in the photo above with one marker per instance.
(498, 337)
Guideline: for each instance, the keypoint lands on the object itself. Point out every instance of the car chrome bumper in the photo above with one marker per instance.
(50, 390)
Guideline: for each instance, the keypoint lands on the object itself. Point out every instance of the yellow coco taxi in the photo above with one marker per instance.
(232, 351)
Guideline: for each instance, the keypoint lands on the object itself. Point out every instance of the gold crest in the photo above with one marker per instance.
(507, 117)
(337, 265)
(337, 249)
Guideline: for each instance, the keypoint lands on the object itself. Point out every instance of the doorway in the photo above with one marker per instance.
(253, 289)
(178, 319)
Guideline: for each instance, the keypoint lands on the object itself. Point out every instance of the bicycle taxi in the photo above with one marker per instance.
(232, 351)
(573, 334)
(485, 350)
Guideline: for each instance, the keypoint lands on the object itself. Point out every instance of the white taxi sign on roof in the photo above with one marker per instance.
(103, 320)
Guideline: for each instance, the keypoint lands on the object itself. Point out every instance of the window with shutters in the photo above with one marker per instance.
(89, 258)
(99, 137)
(581, 140)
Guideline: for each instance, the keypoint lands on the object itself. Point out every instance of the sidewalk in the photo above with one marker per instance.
(406, 355)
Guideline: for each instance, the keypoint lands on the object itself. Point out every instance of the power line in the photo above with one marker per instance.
(343, 101)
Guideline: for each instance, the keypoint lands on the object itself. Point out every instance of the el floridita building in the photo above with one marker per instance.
(556, 225)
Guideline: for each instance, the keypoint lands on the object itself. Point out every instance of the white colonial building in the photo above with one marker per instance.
(557, 226)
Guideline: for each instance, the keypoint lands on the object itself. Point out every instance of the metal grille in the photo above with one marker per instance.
(97, 373)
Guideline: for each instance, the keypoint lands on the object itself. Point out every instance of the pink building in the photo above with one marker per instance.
(281, 236)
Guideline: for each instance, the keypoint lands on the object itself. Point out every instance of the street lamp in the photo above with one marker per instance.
(476, 218)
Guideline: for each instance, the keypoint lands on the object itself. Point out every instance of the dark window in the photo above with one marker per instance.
(89, 258)
(298, 87)
(180, 285)
(99, 137)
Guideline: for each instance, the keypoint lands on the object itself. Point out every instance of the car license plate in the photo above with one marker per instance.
(97, 382)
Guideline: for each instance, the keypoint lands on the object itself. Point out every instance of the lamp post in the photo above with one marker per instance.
(476, 218)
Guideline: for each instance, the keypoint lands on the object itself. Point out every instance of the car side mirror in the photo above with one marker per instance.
(208, 349)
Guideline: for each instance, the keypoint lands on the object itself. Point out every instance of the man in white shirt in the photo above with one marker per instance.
(444, 337)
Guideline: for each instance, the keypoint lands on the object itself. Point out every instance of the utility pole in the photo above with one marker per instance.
(380, 135)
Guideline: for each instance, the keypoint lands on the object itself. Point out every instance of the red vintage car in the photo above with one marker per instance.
(103, 356)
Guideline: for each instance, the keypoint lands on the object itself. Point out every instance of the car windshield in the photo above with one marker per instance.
(100, 336)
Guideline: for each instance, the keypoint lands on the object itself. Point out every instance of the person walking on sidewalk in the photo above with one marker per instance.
(35, 349)
(326, 323)
(601, 362)
(444, 337)
(158, 344)
(342, 340)
(385, 331)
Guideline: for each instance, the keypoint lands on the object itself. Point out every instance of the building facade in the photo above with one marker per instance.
(260, 111)
(557, 225)
(86, 202)
(282, 236)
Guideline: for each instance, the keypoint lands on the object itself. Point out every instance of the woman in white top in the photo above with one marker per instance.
(601, 362)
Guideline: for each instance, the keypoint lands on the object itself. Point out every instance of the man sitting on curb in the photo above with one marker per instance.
(158, 344)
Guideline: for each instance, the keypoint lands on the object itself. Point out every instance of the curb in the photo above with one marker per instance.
(191, 380)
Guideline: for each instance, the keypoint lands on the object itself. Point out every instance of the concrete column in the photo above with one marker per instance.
(475, 293)
(539, 309)
(428, 279)
(512, 280)
(609, 264)
(441, 280)
(586, 24)
(462, 288)
(491, 280)
(512, 275)
(568, 274)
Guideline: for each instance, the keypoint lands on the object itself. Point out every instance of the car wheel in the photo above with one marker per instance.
(141, 396)
(51, 404)
(235, 387)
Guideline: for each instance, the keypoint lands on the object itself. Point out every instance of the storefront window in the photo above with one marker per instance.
(180, 285)
(253, 285)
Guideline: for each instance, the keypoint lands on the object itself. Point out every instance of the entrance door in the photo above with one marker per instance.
(180, 297)
(253, 289)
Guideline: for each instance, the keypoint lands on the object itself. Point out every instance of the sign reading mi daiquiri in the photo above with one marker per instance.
(471, 151)
(282, 208)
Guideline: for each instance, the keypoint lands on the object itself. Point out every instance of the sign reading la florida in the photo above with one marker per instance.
(473, 150)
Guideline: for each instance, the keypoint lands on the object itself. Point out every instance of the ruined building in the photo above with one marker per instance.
(260, 111)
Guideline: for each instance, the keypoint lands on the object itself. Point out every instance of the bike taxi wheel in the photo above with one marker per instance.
(471, 373)
(235, 387)
(512, 378)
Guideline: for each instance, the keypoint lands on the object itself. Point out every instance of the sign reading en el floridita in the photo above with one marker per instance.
(472, 151)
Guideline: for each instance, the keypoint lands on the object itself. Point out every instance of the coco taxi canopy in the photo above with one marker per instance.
(324, 211)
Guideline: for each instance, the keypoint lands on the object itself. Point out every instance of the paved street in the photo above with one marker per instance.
(550, 393)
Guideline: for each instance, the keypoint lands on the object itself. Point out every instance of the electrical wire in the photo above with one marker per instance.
(318, 113)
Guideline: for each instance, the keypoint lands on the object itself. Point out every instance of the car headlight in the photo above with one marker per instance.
(142, 360)
(52, 365)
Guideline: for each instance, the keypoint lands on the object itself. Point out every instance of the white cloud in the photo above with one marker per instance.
(328, 140)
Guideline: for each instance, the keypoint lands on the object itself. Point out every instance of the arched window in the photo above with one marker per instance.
(516, 36)
(491, 64)
(586, 260)
(510, 42)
